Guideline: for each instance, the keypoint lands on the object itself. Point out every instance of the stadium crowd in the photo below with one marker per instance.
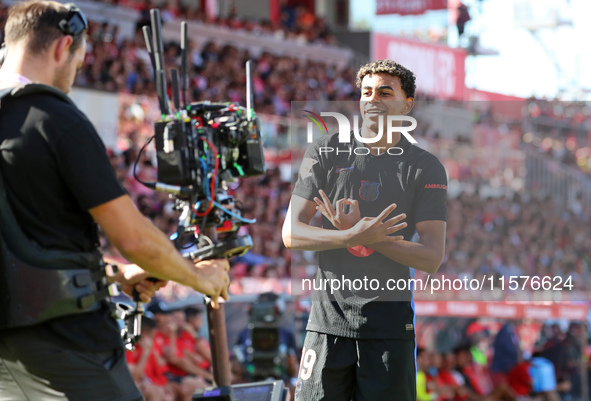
(467, 360)
(518, 236)
(559, 130)
(216, 73)
(570, 112)
(296, 22)
(481, 366)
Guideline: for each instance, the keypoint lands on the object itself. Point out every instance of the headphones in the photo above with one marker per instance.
(74, 24)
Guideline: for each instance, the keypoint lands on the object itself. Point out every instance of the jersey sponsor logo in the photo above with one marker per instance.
(369, 191)
(341, 169)
(435, 186)
(306, 167)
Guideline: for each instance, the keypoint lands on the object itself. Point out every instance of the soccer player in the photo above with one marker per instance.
(360, 343)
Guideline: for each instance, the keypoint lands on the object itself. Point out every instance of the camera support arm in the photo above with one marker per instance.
(216, 327)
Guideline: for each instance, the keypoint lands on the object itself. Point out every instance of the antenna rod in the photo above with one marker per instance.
(184, 51)
(158, 47)
(175, 89)
(249, 92)
(161, 90)
(148, 39)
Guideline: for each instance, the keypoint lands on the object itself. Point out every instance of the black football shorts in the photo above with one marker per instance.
(347, 369)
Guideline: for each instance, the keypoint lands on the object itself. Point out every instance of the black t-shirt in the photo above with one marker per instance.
(416, 181)
(56, 168)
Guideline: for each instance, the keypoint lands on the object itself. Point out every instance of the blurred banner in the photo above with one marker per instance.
(439, 69)
(503, 310)
(408, 7)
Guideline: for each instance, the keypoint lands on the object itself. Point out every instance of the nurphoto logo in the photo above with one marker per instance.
(345, 128)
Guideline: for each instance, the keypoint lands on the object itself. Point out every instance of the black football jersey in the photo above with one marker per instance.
(407, 175)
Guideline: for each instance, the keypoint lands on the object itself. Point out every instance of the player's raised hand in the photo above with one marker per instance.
(213, 279)
(337, 216)
(370, 230)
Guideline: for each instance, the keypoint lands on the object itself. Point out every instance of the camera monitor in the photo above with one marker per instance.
(261, 391)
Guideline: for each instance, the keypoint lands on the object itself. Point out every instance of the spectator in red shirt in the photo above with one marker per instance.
(519, 379)
(190, 334)
(181, 369)
(189, 344)
(148, 368)
(477, 378)
(451, 379)
(444, 390)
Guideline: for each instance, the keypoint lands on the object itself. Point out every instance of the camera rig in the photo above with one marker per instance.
(200, 147)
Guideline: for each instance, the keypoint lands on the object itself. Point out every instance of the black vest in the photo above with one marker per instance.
(39, 284)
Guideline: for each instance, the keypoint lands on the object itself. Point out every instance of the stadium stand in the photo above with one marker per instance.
(217, 73)
(557, 129)
(295, 22)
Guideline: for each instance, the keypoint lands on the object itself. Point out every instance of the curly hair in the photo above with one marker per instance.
(407, 77)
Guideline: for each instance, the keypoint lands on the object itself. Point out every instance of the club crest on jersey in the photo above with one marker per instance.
(369, 191)
(306, 167)
(298, 390)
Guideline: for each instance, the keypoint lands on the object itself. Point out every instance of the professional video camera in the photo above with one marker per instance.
(200, 147)
(264, 355)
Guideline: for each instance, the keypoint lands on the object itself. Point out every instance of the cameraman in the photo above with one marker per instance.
(60, 184)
